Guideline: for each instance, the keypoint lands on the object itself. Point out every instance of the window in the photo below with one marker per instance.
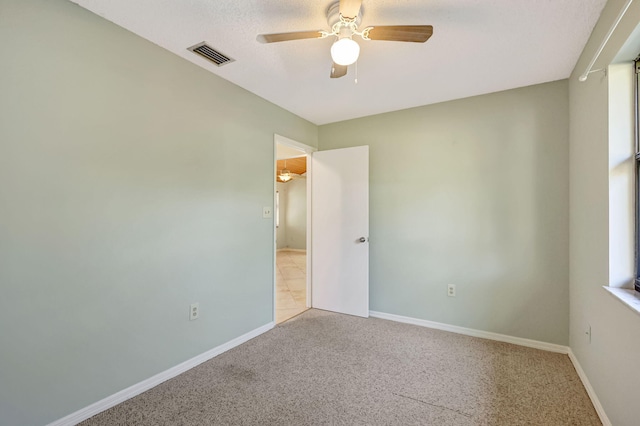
(637, 156)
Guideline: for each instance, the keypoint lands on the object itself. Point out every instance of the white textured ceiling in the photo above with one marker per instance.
(478, 46)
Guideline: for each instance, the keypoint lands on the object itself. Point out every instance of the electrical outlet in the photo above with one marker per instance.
(194, 311)
(451, 290)
(267, 213)
(588, 333)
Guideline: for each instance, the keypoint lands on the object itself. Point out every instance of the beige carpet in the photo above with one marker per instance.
(322, 368)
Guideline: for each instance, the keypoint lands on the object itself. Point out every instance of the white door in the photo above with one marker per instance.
(340, 227)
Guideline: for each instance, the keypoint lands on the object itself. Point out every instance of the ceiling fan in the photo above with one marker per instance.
(285, 175)
(343, 17)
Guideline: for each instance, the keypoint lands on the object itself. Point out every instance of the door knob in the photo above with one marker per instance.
(362, 240)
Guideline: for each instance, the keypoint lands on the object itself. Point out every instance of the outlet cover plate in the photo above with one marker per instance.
(451, 290)
(194, 311)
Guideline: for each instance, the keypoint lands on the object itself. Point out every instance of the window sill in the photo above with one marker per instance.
(629, 297)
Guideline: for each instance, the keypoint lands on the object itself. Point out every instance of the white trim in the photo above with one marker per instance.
(279, 139)
(293, 250)
(551, 347)
(508, 339)
(629, 297)
(592, 393)
(274, 236)
(145, 385)
(309, 269)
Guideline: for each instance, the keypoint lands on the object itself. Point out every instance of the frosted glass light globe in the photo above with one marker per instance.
(345, 51)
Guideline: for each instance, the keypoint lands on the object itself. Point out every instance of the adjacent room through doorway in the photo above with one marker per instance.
(291, 233)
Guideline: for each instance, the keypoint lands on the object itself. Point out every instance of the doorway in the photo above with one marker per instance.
(338, 182)
(292, 294)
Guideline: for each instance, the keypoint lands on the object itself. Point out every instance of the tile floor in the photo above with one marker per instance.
(291, 284)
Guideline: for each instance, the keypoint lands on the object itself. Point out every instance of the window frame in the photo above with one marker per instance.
(636, 87)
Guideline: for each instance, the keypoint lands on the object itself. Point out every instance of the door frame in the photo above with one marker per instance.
(308, 150)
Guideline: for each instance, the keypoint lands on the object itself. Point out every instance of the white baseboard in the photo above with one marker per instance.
(508, 339)
(138, 388)
(592, 393)
(292, 249)
(551, 347)
(145, 385)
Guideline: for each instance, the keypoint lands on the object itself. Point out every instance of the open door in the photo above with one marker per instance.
(340, 226)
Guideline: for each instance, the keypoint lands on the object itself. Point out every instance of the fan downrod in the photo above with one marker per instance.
(333, 15)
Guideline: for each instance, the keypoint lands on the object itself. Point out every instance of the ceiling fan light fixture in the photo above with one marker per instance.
(285, 175)
(345, 51)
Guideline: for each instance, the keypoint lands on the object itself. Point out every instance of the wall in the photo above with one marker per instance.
(472, 192)
(119, 207)
(292, 232)
(610, 359)
(297, 214)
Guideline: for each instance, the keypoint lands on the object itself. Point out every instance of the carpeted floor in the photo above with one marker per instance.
(322, 368)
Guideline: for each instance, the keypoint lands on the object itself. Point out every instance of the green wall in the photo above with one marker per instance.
(472, 192)
(296, 214)
(121, 203)
(610, 357)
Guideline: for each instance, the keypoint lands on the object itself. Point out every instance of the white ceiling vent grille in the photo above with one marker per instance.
(211, 54)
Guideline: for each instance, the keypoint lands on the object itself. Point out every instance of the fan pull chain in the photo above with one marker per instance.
(356, 80)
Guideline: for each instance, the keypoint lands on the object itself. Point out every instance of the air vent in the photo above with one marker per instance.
(211, 54)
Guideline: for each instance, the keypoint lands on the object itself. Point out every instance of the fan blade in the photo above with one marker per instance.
(350, 8)
(338, 71)
(412, 33)
(297, 35)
